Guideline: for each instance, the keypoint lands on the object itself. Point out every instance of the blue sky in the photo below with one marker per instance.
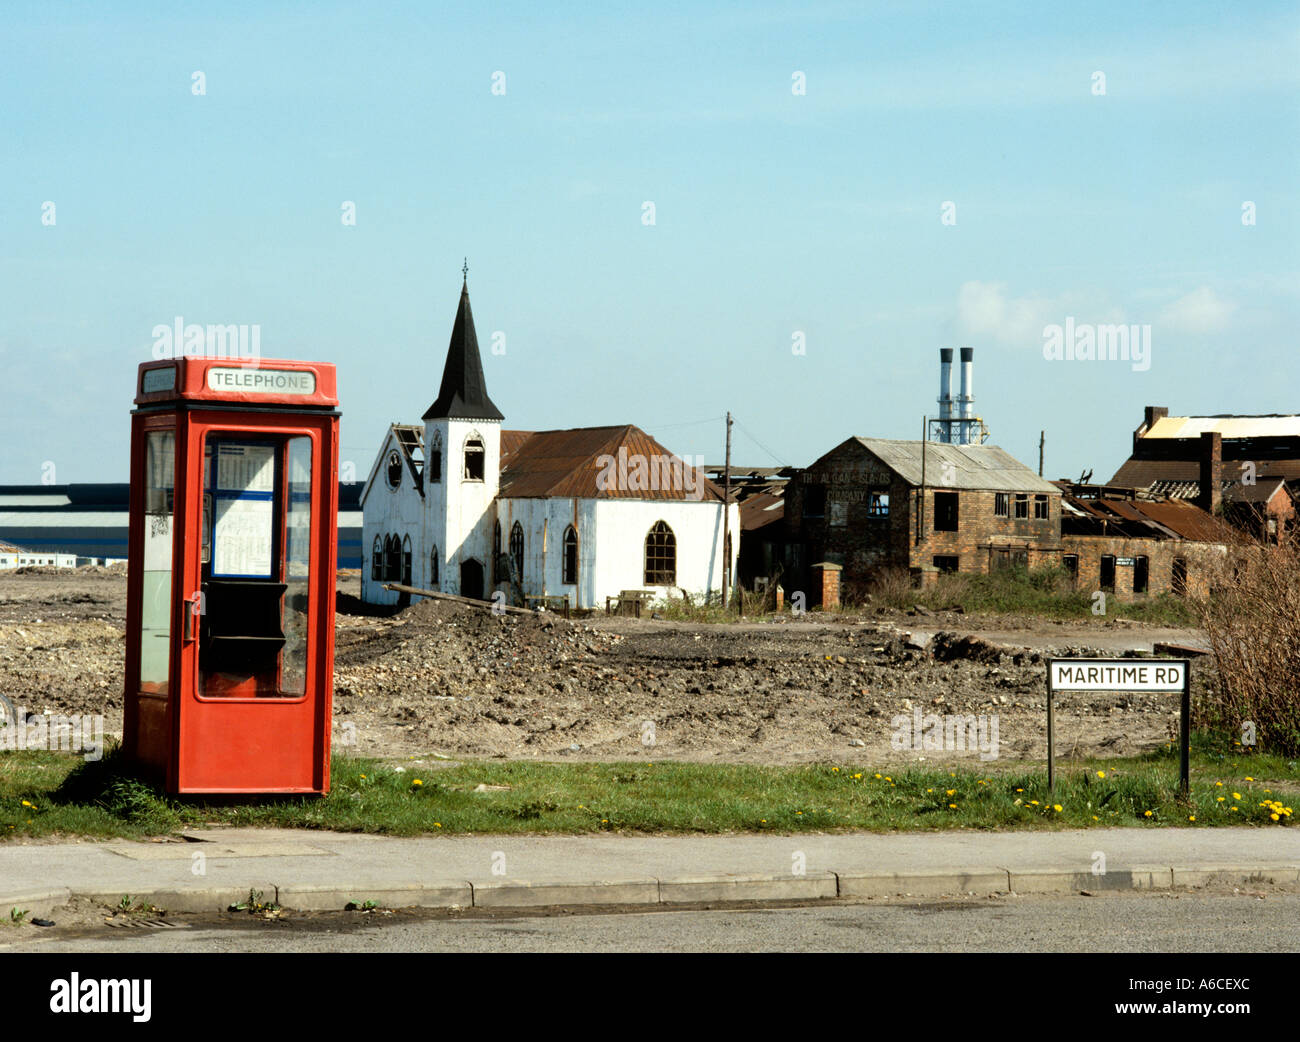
(776, 213)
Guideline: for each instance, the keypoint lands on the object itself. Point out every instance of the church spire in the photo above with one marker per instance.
(463, 395)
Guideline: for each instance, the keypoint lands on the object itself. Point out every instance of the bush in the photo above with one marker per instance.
(1252, 622)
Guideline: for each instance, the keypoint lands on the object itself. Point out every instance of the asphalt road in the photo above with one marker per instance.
(1120, 923)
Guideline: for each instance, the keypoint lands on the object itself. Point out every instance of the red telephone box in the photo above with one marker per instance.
(232, 562)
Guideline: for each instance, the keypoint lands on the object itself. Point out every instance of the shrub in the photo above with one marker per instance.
(1252, 621)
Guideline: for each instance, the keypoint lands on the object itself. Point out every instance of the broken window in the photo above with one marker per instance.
(1108, 572)
(1022, 505)
(660, 556)
(394, 469)
(475, 460)
(1002, 504)
(1041, 510)
(1179, 576)
(392, 558)
(1141, 574)
(814, 501)
(947, 562)
(878, 504)
(570, 575)
(433, 468)
(433, 567)
(377, 559)
(517, 552)
(945, 511)
(406, 560)
(1070, 562)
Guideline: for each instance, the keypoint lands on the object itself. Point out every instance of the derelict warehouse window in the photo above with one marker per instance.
(1141, 574)
(1022, 506)
(496, 552)
(947, 562)
(377, 559)
(1178, 578)
(814, 501)
(1070, 562)
(1041, 510)
(517, 551)
(660, 556)
(475, 457)
(1002, 504)
(570, 575)
(878, 504)
(945, 511)
(1108, 572)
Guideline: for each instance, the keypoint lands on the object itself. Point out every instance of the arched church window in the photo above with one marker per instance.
(475, 459)
(433, 567)
(406, 560)
(377, 559)
(660, 556)
(392, 558)
(496, 552)
(433, 468)
(517, 551)
(570, 570)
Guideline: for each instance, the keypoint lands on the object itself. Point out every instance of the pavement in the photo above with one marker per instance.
(210, 869)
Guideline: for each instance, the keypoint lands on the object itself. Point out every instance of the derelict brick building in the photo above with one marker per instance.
(872, 504)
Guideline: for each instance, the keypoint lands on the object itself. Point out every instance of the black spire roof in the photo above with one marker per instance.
(463, 395)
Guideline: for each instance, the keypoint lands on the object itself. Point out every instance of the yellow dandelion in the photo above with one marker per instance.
(1101, 774)
(1275, 816)
(1191, 817)
(951, 792)
(1220, 799)
(1249, 778)
(416, 781)
(1218, 785)
(952, 806)
(1146, 814)
(1057, 807)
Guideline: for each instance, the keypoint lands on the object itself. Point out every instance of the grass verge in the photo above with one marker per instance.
(44, 794)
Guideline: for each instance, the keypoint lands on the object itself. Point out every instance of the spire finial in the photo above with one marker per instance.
(464, 270)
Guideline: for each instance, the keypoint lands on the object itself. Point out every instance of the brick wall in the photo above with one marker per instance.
(830, 508)
(1160, 556)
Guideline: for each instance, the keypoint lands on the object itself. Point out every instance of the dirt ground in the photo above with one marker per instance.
(443, 679)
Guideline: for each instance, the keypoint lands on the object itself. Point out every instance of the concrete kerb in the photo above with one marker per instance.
(814, 886)
(38, 903)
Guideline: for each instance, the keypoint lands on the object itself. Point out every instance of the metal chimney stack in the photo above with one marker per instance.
(966, 410)
(945, 394)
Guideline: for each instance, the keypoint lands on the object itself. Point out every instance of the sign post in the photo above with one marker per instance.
(1125, 674)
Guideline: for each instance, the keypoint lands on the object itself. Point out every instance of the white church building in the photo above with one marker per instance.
(460, 506)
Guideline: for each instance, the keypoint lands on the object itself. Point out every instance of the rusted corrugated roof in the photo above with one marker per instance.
(1168, 519)
(1144, 473)
(761, 509)
(597, 463)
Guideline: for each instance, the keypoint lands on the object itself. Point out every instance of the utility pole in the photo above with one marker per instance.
(726, 519)
(920, 496)
(1042, 437)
